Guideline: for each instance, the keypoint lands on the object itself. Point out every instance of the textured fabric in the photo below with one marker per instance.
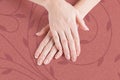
(100, 56)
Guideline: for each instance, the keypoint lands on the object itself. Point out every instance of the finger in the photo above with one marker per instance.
(64, 45)
(50, 55)
(45, 52)
(43, 31)
(81, 23)
(57, 40)
(59, 54)
(42, 45)
(71, 45)
(76, 37)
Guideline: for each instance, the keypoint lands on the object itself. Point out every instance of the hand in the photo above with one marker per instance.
(81, 13)
(47, 49)
(62, 22)
(80, 23)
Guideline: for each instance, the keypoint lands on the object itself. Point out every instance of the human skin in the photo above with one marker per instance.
(68, 31)
(59, 12)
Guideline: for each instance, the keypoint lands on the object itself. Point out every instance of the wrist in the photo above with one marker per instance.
(81, 7)
(51, 4)
(85, 6)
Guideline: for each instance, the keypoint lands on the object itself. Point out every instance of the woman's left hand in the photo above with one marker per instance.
(47, 47)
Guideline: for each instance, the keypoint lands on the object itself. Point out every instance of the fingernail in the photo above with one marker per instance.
(36, 56)
(73, 59)
(46, 62)
(68, 57)
(37, 34)
(87, 28)
(56, 57)
(39, 63)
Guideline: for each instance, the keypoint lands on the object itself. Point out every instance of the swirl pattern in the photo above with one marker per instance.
(100, 56)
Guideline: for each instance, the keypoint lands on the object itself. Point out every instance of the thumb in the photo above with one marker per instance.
(43, 31)
(81, 23)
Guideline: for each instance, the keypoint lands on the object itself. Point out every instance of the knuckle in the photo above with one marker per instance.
(66, 51)
(72, 45)
(71, 41)
(73, 51)
(55, 37)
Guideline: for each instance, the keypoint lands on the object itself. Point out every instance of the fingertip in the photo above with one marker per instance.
(85, 26)
(78, 53)
(35, 56)
(37, 34)
(46, 62)
(57, 56)
(40, 33)
(39, 63)
(68, 57)
(87, 29)
(74, 58)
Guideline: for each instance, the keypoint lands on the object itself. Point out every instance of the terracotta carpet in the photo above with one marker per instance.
(100, 56)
